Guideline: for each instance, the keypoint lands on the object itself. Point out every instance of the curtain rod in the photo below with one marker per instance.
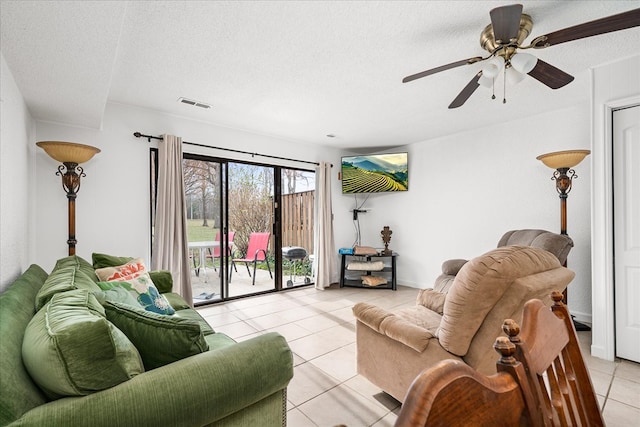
(150, 137)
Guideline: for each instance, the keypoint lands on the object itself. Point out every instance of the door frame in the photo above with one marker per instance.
(602, 286)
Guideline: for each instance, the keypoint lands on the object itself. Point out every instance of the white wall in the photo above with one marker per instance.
(17, 195)
(614, 85)
(112, 207)
(467, 189)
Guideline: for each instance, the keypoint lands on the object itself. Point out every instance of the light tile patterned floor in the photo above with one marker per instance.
(327, 391)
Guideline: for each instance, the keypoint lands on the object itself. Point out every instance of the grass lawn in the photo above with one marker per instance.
(198, 233)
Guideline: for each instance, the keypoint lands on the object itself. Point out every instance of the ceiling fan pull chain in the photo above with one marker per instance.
(493, 89)
(504, 86)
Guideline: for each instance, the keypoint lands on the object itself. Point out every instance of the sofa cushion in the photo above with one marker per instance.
(191, 314)
(431, 299)
(105, 260)
(144, 291)
(129, 270)
(163, 281)
(63, 279)
(19, 392)
(177, 302)
(160, 339)
(71, 349)
(78, 263)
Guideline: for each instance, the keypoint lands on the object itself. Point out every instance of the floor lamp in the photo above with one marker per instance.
(71, 155)
(563, 162)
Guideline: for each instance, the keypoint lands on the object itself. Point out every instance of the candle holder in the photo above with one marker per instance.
(386, 238)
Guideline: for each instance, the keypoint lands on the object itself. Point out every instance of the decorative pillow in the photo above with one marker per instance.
(159, 339)
(71, 349)
(130, 270)
(104, 260)
(144, 291)
(433, 300)
(373, 280)
(61, 280)
(117, 294)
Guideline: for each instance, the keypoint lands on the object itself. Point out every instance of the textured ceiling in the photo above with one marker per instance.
(296, 70)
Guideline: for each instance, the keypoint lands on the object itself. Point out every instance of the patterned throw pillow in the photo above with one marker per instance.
(144, 291)
(130, 270)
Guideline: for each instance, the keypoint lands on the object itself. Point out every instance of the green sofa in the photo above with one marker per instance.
(230, 384)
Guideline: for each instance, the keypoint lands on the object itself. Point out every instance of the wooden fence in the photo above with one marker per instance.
(297, 220)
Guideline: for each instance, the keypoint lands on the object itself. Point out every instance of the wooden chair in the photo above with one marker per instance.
(542, 380)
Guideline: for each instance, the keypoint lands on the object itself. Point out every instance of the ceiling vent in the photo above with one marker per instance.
(194, 103)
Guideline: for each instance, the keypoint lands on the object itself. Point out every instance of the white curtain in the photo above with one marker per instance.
(326, 260)
(170, 246)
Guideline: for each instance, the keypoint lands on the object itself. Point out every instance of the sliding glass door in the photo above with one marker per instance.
(249, 226)
(230, 211)
(297, 221)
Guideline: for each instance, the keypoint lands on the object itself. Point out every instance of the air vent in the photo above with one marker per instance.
(194, 103)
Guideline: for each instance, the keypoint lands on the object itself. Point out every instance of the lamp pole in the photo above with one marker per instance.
(71, 185)
(70, 155)
(563, 162)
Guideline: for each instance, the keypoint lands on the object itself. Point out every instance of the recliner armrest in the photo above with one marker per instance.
(393, 326)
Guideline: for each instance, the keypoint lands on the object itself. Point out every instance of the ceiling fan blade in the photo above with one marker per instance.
(441, 68)
(505, 21)
(466, 92)
(609, 24)
(549, 75)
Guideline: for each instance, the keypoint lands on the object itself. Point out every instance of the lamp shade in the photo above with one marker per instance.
(493, 67)
(513, 76)
(563, 159)
(485, 81)
(68, 152)
(523, 62)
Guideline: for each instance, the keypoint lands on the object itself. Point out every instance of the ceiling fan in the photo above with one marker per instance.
(503, 40)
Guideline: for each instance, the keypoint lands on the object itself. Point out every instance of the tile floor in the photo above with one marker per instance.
(327, 391)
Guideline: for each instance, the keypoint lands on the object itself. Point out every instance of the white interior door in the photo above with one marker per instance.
(626, 224)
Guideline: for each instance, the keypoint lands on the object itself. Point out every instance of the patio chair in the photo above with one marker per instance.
(256, 251)
(217, 249)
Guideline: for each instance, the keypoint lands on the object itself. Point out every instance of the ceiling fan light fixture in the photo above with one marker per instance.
(485, 81)
(513, 76)
(523, 62)
(493, 67)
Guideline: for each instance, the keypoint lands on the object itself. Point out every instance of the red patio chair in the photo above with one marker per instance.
(256, 251)
(217, 249)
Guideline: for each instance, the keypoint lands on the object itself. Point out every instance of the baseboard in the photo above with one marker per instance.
(582, 317)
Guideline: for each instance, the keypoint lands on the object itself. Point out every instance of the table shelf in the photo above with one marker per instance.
(351, 278)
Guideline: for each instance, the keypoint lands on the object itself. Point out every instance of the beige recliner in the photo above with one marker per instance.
(461, 324)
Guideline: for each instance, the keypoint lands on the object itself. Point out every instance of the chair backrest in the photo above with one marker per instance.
(258, 246)
(490, 288)
(557, 244)
(542, 380)
(217, 249)
(548, 348)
